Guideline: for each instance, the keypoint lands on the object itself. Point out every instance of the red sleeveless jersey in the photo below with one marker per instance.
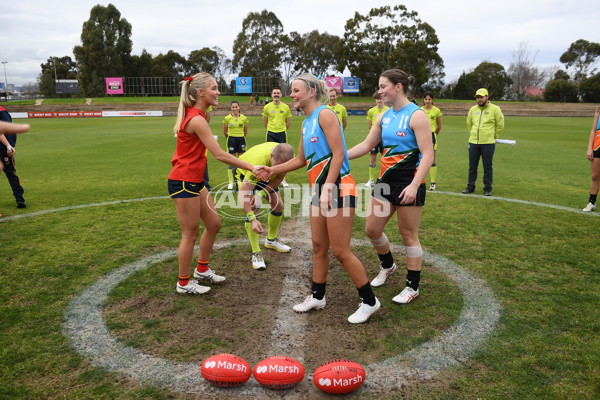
(189, 160)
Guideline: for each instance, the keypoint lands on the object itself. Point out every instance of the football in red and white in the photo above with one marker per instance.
(339, 376)
(279, 372)
(226, 370)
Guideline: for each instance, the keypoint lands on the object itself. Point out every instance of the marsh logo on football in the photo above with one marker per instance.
(210, 364)
(325, 382)
(261, 370)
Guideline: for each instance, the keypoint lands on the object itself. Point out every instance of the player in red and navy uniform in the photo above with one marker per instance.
(322, 150)
(405, 135)
(185, 184)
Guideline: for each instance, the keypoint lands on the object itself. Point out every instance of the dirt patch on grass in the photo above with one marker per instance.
(250, 314)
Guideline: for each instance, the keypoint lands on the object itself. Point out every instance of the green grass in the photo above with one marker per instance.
(542, 263)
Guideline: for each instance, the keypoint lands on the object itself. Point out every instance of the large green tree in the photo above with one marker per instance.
(257, 48)
(590, 89)
(205, 60)
(491, 76)
(139, 66)
(171, 64)
(105, 49)
(55, 68)
(581, 55)
(561, 90)
(391, 37)
(317, 53)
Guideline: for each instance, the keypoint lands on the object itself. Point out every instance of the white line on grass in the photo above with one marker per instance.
(531, 203)
(106, 203)
(91, 338)
(68, 208)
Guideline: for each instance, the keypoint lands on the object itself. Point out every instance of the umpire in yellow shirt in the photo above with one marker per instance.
(271, 154)
(277, 118)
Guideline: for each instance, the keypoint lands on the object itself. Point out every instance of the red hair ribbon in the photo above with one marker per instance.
(189, 78)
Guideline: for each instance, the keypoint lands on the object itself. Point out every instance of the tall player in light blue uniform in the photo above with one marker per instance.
(323, 151)
(405, 135)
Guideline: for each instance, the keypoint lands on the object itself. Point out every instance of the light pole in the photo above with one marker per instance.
(5, 80)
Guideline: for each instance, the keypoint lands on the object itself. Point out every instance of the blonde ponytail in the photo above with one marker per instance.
(189, 90)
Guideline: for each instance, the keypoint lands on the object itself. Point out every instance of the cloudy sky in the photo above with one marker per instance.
(470, 32)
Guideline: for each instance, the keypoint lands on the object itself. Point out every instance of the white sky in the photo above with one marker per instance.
(470, 32)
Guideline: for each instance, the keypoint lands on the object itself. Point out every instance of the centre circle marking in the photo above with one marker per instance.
(89, 336)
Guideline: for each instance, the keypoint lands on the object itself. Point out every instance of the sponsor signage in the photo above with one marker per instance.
(243, 84)
(114, 85)
(334, 82)
(351, 84)
(132, 113)
(67, 114)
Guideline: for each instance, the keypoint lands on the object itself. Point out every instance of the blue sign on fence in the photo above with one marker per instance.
(243, 85)
(351, 84)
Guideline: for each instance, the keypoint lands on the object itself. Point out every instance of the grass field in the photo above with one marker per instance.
(542, 263)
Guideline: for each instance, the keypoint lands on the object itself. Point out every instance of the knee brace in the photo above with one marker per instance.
(381, 241)
(414, 251)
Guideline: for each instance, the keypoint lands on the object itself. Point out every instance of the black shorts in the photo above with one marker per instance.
(236, 144)
(260, 185)
(184, 189)
(377, 149)
(277, 137)
(597, 153)
(385, 192)
(338, 201)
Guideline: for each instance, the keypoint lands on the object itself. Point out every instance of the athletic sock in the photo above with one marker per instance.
(183, 280)
(433, 173)
(273, 222)
(366, 294)
(202, 266)
(230, 174)
(413, 278)
(372, 172)
(386, 260)
(593, 198)
(254, 238)
(318, 290)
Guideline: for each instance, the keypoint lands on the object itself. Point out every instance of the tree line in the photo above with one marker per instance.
(385, 37)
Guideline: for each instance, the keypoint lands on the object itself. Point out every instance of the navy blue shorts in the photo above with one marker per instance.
(236, 144)
(385, 192)
(184, 189)
(277, 137)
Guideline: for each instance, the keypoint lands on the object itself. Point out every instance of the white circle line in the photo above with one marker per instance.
(89, 336)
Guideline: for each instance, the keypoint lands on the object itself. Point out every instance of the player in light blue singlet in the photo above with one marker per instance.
(405, 135)
(323, 150)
